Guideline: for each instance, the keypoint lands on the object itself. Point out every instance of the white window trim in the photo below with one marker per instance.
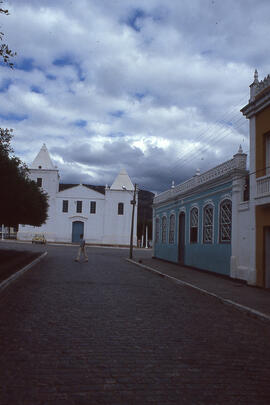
(65, 212)
(219, 210)
(166, 229)
(121, 202)
(225, 197)
(172, 215)
(157, 218)
(182, 209)
(194, 205)
(208, 202)
(198, 223)
(79, 201)
(95, 205)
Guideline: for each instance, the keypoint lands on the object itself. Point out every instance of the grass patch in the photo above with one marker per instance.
(12, 261)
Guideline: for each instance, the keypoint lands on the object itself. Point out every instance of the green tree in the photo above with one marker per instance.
(22, 201)
(5, 53)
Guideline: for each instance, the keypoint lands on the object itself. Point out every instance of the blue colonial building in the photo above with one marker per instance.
(193, 221)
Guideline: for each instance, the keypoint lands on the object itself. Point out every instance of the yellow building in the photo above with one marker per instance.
(258, 113)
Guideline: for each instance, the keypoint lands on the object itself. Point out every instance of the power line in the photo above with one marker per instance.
(214, 134)
(205, 148)
(202, 150)
(225, 117)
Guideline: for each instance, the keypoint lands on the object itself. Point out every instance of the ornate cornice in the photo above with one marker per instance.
(224, 170)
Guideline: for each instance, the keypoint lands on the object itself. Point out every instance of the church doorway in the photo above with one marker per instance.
(77, 230)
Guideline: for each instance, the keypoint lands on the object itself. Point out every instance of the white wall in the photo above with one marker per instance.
(93, 223)
(240, 261)
(103, 227)
(117, 228)
(50, 184)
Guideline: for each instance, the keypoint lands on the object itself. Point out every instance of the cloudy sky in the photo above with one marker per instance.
(153, 86)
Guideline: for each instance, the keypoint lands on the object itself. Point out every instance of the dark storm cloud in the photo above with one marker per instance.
(155, 87)
(112, 153)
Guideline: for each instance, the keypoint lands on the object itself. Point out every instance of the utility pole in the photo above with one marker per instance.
(133, 202)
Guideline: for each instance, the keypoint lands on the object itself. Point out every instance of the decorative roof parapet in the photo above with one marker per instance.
(259, 96)
(238, 162)
(257, 87)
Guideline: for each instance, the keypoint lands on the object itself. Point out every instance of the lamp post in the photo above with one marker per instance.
(133, 202)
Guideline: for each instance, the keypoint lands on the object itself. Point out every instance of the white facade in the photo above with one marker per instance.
(250, 244)
(257, 222)
(103, 216)
(241, 236)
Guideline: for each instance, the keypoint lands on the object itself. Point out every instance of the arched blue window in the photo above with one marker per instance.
(225, 221)
(164, 229)
(157, 230)
(208, 222)
(172, 228)
(194, 215)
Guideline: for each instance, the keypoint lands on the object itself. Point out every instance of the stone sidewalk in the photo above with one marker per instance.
(253, 300)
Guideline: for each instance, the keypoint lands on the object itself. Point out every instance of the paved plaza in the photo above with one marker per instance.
(109, 332)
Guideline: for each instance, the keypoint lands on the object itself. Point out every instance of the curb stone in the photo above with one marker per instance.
(243, 308)
(19, 273)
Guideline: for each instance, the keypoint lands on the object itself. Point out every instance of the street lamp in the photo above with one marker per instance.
(133, 202)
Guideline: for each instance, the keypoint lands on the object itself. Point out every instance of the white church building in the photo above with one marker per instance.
(102, 214)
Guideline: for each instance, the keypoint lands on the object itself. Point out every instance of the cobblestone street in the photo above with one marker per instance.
(108, 332)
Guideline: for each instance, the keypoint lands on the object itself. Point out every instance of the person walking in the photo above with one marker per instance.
(82, 250)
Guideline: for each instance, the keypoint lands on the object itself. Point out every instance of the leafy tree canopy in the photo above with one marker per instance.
(5, 53)
(22, 201)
